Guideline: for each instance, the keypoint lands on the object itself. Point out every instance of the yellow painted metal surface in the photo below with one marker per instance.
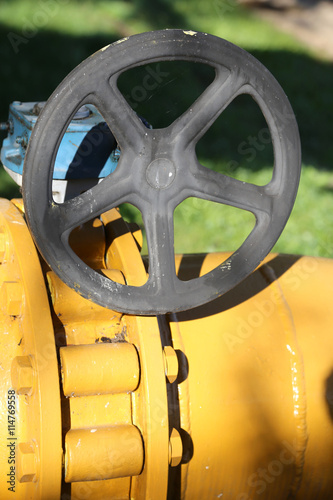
(149, 402)
(30, 417)
(108, 369)
(256, 396)
(231, 400)
(118, 451)
(142, 406)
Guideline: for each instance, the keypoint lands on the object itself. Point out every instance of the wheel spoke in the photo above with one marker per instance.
(120, 117)
(192, 124)
(90, 204)
(217, 187)
(159, 228)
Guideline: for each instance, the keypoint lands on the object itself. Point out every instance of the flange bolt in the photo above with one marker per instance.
(22, 375)
(26, 463)
(175, 448)
(170, 363)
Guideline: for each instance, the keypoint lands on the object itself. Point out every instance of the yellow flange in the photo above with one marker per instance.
(30, 420)
(114, 376)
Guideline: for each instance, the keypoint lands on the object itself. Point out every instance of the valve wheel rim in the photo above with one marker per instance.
(156, 191)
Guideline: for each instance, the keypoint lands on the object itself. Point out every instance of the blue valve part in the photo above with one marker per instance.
(87, 149)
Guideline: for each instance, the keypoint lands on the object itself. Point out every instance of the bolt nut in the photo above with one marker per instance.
(170, 363)
(12, 298)
(26, 463)
(22, 374)
(175, 448)
(22, 140)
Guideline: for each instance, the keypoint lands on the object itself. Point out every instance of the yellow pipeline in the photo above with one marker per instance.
(230, 400)
(255, 397)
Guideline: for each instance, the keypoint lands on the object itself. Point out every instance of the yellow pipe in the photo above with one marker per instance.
(103, 453)
(254, 397)
(235, 396)
(107, 368)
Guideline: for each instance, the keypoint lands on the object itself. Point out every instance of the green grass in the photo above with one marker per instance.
(74, 30)
(309, 229)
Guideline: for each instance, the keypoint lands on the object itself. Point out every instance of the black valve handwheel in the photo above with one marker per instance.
(158, 169)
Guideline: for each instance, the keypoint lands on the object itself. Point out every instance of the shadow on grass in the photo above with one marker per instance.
(41, 64)
(308, 84)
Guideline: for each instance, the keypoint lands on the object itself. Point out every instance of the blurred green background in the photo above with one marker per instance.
(41, 41)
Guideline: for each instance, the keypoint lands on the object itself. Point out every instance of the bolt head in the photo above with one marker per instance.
(170, 363)
(175, 448)
(22, 375)
(12, 298)
(26, 463)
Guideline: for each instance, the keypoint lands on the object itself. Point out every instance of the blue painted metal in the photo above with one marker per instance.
(22, 118)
